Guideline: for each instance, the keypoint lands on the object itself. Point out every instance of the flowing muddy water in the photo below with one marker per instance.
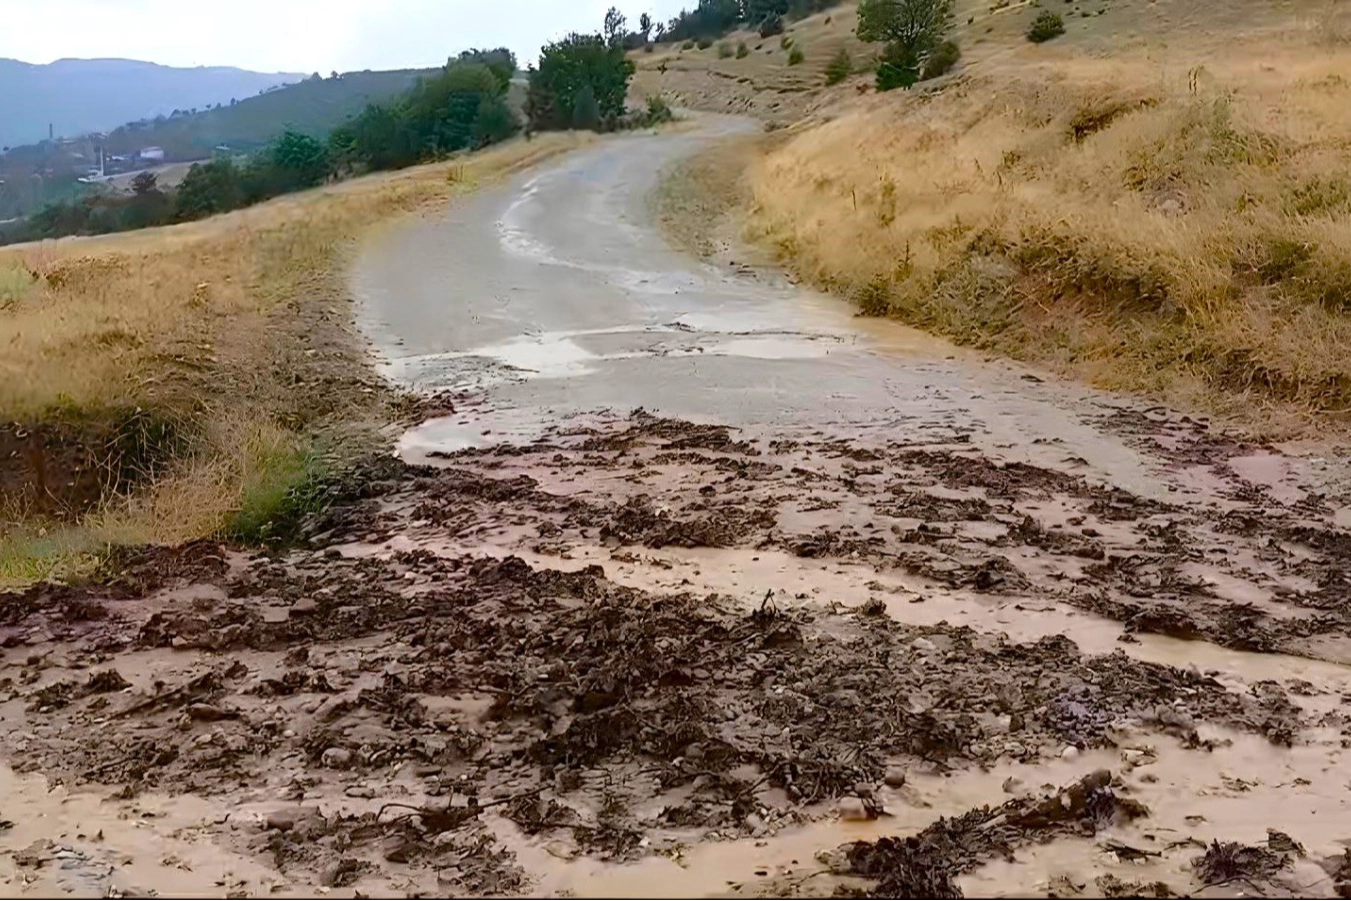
(704, 587)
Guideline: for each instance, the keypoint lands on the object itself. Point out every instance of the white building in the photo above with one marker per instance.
(152, 154)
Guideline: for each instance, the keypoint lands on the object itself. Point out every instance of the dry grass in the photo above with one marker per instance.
(236, 330)
(1174, 218)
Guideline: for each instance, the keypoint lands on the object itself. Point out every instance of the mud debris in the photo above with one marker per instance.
(925, 865)
(519, 643)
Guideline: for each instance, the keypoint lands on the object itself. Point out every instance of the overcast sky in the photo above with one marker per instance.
(296, 35)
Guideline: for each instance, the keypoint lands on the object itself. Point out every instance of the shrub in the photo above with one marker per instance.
(796, 56)
(658, 110)
(688, 45)
(840, 67)
(1045, 26)
(941, 60)
(898, 68)
(771, 26)
(742, 51)
(725, 50)
(705, 43)
(785, 42)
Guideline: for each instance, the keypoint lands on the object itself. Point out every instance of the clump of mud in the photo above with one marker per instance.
(925, 865)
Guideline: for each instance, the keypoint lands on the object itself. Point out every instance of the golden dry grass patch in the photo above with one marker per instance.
(1171, 219)
(235, 331)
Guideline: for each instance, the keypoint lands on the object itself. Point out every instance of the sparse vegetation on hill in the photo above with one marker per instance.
(1045, 26)
(1168, 223)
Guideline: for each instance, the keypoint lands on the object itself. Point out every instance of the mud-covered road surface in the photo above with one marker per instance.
(702, 587)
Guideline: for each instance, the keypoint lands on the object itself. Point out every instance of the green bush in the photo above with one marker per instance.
(1045, 26)
(742, 51)
(796, 56)
(725, 50)
(771, 26)
(658, 110)
(705, 43)
(941, 60)
(688, 45)
(840, 67)
(785, 42)
(897, 68)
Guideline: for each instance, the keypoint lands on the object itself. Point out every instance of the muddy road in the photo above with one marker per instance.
(696, 585)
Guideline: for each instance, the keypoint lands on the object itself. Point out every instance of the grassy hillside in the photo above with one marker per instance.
(212, 365)
(313, 106)
(1156, 201)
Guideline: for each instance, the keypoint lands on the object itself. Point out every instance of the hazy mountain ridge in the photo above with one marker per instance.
(75, 96)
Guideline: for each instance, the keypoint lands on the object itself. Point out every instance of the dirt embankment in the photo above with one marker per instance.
(212, 366)
(527, 666)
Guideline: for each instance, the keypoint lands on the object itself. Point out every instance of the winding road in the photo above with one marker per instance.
(555, 298)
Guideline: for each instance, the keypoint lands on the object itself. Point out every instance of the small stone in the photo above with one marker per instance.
(1069, 753)
(756, 824)
(1012, 785)
(304, 607)
(560, 850)
(209, 713)
(923, 645)
(395, 849)
(894, 778)
(285, 819)
(852, 809)
(360, 791)
(336, 758)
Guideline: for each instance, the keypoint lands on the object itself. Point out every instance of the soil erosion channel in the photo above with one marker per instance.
(703, 587)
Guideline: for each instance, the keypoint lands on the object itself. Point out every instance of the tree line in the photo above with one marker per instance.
(580, 82)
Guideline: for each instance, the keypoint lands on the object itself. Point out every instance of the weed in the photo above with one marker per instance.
(840, 67)
(742, 51)
(796, 56)
(725, 50)
(1045, 26)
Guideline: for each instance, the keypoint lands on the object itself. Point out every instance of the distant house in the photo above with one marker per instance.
(152, 154)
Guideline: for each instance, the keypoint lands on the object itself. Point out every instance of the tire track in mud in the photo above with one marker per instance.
(510, 672)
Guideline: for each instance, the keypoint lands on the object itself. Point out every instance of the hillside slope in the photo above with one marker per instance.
(75, 96)
(1156, 201)
(313, 106)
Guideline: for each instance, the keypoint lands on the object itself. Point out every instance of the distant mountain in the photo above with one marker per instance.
(75, 96)
(34, 174)
(313, 106)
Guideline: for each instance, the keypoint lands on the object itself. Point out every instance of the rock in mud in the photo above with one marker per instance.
(894, 778)
(210, 713)
(395, 849)
(852, 809)
(285, 820)
(336, 758)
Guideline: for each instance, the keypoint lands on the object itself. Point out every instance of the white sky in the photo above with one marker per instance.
(298, 35)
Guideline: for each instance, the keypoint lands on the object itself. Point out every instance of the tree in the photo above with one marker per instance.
(144, 183)
(614, 27)
(585, 110)
(299, 161)
(207, 189)
(914, 26)
(501, 62)
(759, 10)
(567, 67)
(645, 27)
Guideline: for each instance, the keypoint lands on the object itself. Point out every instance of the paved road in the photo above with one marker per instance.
(557, 293)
